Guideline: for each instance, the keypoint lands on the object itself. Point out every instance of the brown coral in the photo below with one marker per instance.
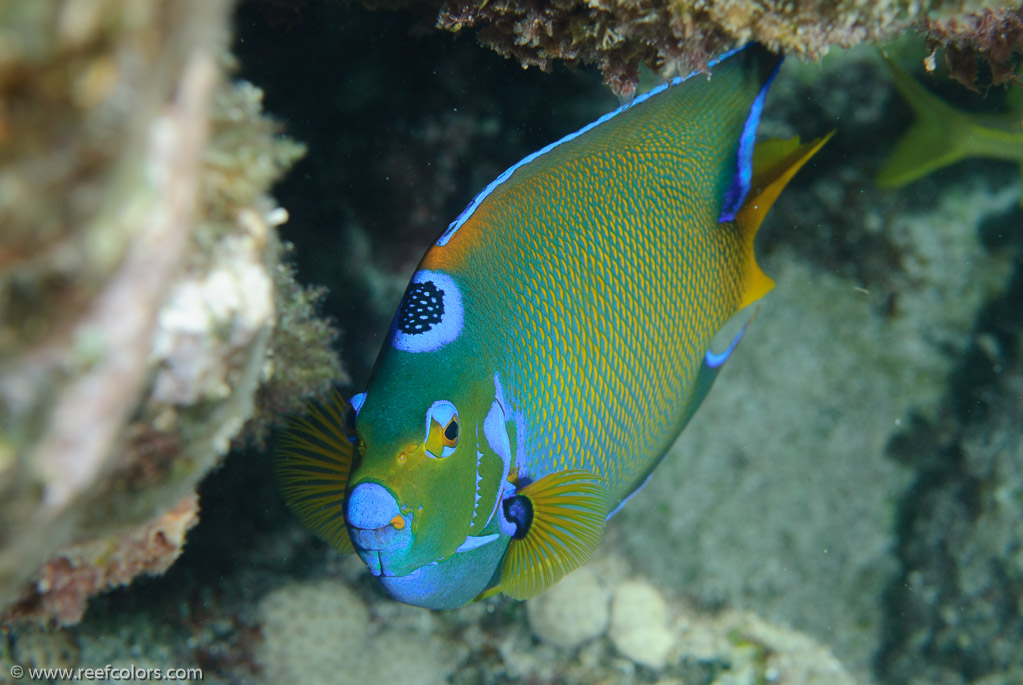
(992, 36)
(81, 570)
(679, 35)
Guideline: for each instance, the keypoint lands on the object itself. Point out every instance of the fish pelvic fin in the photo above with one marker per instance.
(939, 136)
(569, 511)
(312, 463)
(775, 162)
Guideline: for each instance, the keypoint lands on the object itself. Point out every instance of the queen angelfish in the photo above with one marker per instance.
(550, 347)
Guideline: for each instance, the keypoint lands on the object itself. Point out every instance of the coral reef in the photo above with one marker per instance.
(81, 570)
(990, 36)
(98, 192)
(316, 631)
(572, 612)
(665, 638)
(853, 475)
(639, 624)
(139, 287)
(957, 605)
(321, 631)
(683, 35)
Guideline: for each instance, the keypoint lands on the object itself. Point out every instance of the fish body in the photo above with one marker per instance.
(943, 135)
(551, 346)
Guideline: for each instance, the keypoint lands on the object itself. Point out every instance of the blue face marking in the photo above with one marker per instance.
(472, 542)
(736, 192)
(450, 583)
(357, 401)
(430, 315)
(496, 433)
(478, 200)
(370, 506)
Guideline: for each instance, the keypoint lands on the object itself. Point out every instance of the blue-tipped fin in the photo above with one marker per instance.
(712, 363)
(735, 194)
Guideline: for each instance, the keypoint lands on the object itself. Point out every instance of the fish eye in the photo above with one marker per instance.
(441, 429)
(451, 433)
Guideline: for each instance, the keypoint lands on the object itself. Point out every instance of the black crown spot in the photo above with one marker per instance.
(422, 308)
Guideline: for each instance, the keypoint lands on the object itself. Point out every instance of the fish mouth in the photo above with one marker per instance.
(377, 565)
(376, 526)
(378, 539)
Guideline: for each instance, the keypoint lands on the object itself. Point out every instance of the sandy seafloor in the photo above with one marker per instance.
(844, 508)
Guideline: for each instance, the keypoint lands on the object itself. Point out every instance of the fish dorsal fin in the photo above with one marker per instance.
(569, 510)
(313, 459)
(775, 162)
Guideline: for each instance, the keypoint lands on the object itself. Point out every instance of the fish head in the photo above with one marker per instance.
(426, 483)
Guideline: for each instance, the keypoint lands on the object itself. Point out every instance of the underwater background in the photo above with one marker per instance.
(844, 508)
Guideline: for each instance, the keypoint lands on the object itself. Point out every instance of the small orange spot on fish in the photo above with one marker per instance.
(398, 522)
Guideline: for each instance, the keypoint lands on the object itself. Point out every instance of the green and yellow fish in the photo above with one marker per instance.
(943, 135)
(550, 347)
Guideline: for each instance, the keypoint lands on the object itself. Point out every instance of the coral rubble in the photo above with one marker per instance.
(992, 36)
(683, 35)
(320, 632)
(80, 570)
(664, 637)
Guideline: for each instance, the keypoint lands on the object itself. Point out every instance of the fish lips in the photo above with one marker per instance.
(381, 549)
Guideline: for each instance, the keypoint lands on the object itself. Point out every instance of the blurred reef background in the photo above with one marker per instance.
(209, 211)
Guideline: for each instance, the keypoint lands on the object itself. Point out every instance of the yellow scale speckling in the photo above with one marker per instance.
(601, 273)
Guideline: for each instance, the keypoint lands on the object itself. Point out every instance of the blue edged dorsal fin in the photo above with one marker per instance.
(735, 194)
(568, 513)
(312, 462)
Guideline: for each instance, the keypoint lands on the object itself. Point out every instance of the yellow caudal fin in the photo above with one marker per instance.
(313, 459)
(937, 138)
(775, 162)
(569, 512)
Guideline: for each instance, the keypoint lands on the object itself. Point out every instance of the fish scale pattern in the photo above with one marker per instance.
(598, 275)
(615, 286)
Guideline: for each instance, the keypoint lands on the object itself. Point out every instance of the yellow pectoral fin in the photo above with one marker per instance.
(775, 162)
(569, 513)
(313, 459)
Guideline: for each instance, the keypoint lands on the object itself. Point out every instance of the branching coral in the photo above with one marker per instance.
(681, 35)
